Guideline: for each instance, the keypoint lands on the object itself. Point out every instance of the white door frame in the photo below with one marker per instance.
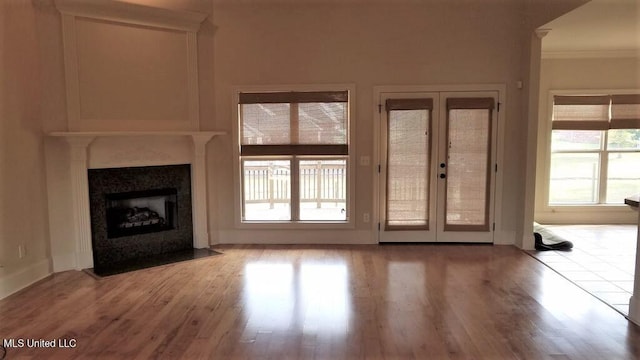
(499, 238)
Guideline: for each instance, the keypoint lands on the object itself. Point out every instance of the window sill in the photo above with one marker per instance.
(295, 225)
(586, 214)
(586, 207)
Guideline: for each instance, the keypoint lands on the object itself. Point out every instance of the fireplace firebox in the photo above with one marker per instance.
(141, 212)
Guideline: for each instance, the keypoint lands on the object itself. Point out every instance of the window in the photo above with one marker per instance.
(294, 154)
(595, 149)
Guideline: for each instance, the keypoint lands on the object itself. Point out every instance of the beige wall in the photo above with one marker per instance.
(23, 201)
(578, 74)
(409, 43)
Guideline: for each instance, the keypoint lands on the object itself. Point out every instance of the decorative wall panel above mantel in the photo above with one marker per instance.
(130, 67)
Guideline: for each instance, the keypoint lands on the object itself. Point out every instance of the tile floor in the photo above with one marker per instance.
(601, 262)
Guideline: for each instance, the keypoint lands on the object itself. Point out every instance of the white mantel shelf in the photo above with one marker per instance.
(94, 134)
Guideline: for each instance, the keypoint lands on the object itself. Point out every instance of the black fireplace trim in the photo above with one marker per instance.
(108, 252)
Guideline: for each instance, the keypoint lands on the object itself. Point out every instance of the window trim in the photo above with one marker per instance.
(578, 207)
(350, 158)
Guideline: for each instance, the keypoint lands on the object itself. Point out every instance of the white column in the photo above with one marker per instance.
(532, 138)
(634, 302)
(80, 201)
(199, 190)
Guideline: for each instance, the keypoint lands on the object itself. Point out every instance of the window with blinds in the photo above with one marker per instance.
(294, 149)
(595, 149)
(294, 123)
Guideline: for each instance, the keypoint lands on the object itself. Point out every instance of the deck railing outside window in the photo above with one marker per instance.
(319, 183)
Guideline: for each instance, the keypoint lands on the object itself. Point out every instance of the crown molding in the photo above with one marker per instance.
(136, 14)
(541, 33)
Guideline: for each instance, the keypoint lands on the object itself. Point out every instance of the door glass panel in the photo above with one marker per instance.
(468, 156)
(408, 168)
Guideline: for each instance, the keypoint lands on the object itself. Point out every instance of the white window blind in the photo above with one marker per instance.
(294, 123)
(581, 112)
(602, 112)
(408, 158)
(469, 159)
(625, 111)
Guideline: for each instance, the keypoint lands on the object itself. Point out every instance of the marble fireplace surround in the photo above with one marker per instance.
(81, 151)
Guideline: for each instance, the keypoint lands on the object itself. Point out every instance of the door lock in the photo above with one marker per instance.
(442, 176)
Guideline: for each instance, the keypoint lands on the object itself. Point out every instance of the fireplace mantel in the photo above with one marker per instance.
(104, 149)
(81, 137)
(95, 134)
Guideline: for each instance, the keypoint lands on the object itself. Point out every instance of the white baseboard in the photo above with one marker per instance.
(64, 262)
(19, 280)
(290, 237)
(634, 310)
(504, 237)
(324, 237)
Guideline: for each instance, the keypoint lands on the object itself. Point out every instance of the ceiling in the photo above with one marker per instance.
(600, 28)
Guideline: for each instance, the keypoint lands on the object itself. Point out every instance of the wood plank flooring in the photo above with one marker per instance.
(321, 302)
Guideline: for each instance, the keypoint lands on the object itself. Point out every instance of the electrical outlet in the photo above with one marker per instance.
(366, 218)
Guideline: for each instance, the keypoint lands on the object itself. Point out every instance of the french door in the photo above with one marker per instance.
(437, 176)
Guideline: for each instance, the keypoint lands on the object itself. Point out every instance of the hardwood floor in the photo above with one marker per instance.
(351, 302)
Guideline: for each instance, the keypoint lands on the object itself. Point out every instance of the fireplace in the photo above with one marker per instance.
(74, 156)
(139, 212)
